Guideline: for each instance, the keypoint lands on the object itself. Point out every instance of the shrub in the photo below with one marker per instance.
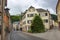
(30, 31)
(37, 25)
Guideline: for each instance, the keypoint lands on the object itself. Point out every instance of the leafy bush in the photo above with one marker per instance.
(30, 31)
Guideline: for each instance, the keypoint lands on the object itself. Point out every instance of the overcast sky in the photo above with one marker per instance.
(18, 6)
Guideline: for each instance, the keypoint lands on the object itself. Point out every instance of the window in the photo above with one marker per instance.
(39, 14)
(45, 14)
(29, 21)
(46, 21)
(30, 15)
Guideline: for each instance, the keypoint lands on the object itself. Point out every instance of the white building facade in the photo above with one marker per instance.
(29, 14)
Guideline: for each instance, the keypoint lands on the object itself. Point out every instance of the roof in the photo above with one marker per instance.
(41, 10)
(23, 13)
(31, 7)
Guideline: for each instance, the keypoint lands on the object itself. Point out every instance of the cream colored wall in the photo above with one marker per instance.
(14, 26)
(58, 15)
(58, 11)
(47, 25)
(28, 18)
(56, 24)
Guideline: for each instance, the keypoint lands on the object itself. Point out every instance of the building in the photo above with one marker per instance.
(4, 4)
(29, 14)
(58, 12)
(16, 26)
(5, 20)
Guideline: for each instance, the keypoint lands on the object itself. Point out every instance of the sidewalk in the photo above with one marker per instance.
(9, 37)
(50, 35)
(6, 37)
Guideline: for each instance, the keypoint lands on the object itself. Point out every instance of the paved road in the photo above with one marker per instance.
(50, 35)
(17, 35)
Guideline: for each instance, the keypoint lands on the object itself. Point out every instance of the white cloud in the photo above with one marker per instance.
(16, 6)
(51, 10)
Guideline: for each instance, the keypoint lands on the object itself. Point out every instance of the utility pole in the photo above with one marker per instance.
(2, 23)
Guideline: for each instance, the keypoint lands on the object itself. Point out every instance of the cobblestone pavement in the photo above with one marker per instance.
(17, 35)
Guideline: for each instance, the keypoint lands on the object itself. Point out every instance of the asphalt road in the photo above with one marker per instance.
(53, 34)
(17, 35)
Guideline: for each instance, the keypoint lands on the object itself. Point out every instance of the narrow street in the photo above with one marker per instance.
(50, 35)
(17, 35)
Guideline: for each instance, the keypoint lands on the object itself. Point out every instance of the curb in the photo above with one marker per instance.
(31, 34)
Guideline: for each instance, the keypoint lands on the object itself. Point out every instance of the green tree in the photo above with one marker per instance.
(37, 25)
(54, 17)
(15, 18)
